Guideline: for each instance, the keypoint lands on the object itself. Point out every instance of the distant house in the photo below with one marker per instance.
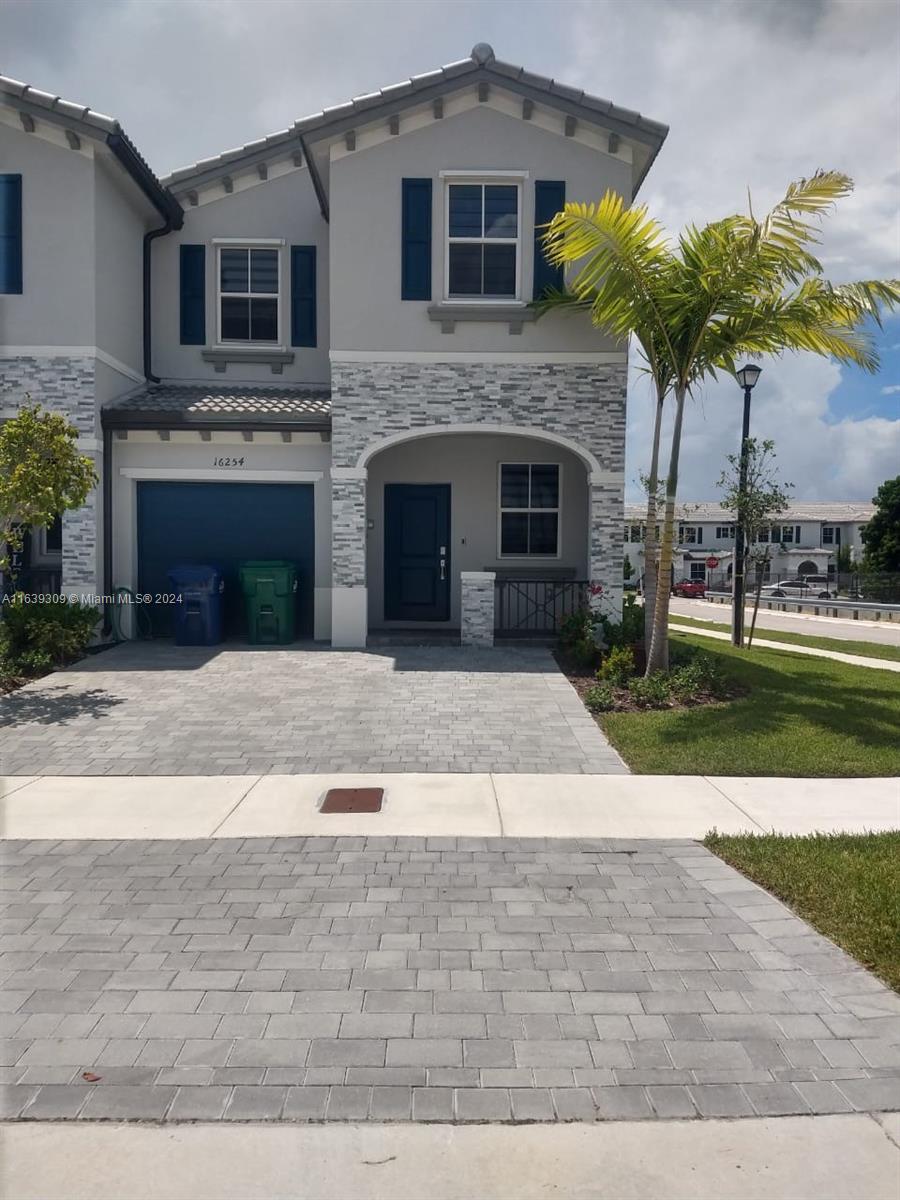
(319, 347)
(804, 541)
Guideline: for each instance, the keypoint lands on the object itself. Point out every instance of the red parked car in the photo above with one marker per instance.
(689, 587)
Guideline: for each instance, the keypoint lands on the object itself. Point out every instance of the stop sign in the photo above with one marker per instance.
(712, 562)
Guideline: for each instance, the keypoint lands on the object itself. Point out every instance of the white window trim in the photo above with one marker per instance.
(527, 462)
(484, 177)
(249, 244)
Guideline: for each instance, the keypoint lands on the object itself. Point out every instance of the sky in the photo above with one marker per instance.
(756, 93)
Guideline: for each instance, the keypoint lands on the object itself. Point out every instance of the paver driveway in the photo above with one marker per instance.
(159, 709)
(425, 979)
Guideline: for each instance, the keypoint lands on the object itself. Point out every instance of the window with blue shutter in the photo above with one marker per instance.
(11, 234)
(549, 199)
(303, 295)
(415, 271)
(193, 295)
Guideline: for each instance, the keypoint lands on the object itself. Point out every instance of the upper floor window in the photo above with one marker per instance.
(529, 509)
(635, 533)
(690, 535)
(828, 535)
(724, 531)
(249, 294)
(483, 258)
(790, 533)
(763, 534)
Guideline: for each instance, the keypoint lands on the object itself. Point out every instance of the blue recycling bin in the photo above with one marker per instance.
(198, 610)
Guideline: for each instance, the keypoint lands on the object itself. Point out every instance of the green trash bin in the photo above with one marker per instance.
(270, 601)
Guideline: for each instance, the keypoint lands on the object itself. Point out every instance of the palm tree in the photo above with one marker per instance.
(735, 286)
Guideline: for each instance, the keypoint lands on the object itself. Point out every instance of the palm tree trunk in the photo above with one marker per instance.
(650, 542)
(658, 654)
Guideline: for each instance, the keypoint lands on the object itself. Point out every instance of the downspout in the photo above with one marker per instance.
(148, 242)
(107, 527)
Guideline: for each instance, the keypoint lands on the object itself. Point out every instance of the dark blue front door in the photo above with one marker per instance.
(417, 552)
(224, 524)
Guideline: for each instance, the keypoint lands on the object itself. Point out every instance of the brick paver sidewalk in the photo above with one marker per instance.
(425, 979)
(160, 709)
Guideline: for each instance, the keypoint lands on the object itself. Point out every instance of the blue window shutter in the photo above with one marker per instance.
(11, 234)
(303, 295)
(549, 199)
(415, 271)
(193, 295)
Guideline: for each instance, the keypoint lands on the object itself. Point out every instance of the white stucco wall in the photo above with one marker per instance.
(56, 307)
(283, 207)
(365, 194)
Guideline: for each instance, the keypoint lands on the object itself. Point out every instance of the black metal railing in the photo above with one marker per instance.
(34, 581)
(536, 607)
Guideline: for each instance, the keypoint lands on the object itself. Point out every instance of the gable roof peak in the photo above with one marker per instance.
(483, 53)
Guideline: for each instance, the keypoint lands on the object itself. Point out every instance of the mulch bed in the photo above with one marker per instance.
(583, 678)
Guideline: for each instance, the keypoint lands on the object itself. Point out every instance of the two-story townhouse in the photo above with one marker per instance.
(76, 201)
(343, 369)
(805, 540)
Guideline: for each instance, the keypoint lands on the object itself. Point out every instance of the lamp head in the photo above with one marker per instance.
(748, 375)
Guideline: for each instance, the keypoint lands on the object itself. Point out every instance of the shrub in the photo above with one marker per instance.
(627, 631)
(37, 637)
(576, 638)
(701, 676)
(617, 666)
(651, 691)
(600, 697)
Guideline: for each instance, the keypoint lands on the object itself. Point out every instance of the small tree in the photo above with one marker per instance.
(627, 568)
(754, 508)
(41, 474)
(881, 537)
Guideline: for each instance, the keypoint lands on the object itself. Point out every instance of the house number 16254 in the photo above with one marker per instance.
(228, 462)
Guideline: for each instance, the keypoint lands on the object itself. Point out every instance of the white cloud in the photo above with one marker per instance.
(891, 390)
(823, 458)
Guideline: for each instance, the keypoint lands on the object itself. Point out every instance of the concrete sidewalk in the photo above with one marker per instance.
(473, 805)
(852, 1157)
(855, 660)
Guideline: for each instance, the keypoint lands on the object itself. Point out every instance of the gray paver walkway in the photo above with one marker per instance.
(160, 709)
(430, 979)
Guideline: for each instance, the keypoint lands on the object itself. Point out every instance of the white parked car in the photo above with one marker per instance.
(809, 587)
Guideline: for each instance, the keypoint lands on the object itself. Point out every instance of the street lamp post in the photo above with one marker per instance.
(746, 377)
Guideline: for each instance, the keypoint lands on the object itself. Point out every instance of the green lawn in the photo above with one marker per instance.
(846, 885)
(869, 649)
(801, 717)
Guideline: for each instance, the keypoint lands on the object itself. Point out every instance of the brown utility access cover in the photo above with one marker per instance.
(353, 800)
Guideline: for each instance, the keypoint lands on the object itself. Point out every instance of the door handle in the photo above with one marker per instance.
(443, 565)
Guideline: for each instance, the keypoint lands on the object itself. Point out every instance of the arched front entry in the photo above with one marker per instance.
(437, 507)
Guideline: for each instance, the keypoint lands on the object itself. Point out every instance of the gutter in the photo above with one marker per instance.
(149, 238)
(107, 526)
(316, 179)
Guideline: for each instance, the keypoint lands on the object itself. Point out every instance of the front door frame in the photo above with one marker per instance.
(393, 608)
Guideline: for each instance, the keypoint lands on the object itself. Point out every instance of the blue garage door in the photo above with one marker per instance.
(224, 524)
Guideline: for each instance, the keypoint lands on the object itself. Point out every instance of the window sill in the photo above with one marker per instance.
(515, 313)
(273, 356)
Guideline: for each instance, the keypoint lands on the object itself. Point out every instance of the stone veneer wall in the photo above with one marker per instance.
(477, 608)
(583, 402)
(65, 384)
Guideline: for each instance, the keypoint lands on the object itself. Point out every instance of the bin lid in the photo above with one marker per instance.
(195, 573)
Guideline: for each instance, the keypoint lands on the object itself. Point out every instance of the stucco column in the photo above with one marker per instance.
(349, 595)
(606, 534)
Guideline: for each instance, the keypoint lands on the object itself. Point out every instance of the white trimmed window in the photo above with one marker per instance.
(723, 532)
(249, 294)
(828, 538)
(690, 535)
(698, 572)
(530, 504)
(483, 240)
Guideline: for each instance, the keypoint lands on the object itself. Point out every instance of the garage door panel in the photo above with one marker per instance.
(224, 524)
